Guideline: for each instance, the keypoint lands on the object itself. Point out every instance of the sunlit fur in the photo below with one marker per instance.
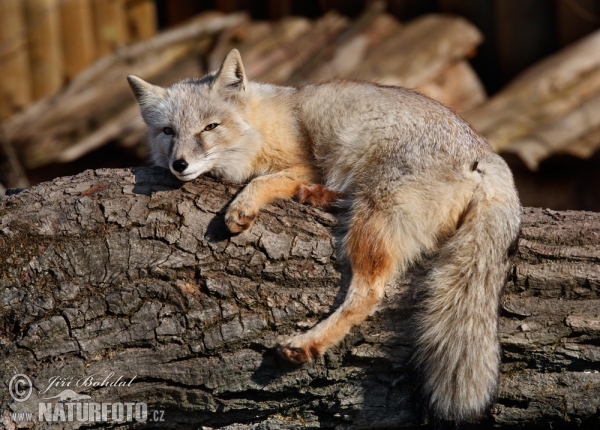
(419, 181)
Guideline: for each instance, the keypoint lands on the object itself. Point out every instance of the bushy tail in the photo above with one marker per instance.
(457, 346)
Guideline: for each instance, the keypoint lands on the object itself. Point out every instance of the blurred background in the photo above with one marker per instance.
(525, 73)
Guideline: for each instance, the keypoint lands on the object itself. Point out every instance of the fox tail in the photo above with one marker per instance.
(457, 348)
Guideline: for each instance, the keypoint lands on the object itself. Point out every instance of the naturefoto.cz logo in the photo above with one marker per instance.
(92, 412)
(70, 405)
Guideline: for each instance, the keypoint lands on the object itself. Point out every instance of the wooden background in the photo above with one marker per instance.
(45, 44)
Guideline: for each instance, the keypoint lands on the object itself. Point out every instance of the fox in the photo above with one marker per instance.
(417, 181)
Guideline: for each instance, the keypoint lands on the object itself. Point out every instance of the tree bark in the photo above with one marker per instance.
(133, 273)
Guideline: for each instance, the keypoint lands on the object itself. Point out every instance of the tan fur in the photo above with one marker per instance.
(263, 190)
(417, 178)
(317, 195)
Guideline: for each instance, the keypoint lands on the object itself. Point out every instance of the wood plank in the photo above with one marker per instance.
(141, 19)
(457, 87)
(110, 24)
(15, 85)
(45, 46)
(558, 136)
(278, 65)
(541, 95)
(262, 38)
(420, 51)
(348, 50)
(79, 46)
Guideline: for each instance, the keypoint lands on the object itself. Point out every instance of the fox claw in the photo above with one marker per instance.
(293, 354)
(238, 220)
(300, 349)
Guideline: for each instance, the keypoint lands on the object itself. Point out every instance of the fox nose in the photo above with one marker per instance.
(180, 165)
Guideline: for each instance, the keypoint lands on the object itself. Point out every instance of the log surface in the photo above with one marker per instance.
(132, 272)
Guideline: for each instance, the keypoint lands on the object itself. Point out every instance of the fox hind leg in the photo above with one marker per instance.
(373, 255)
(385, 233)
(316, 195)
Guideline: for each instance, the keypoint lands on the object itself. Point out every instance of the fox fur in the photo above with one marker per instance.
(419, 179)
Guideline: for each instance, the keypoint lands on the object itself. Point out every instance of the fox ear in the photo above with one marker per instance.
(147, 95)
(231, 77)
(144, 92)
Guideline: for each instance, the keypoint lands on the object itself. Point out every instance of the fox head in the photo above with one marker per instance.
(200, 125)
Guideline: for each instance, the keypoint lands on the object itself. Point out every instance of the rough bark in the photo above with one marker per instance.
(129, 271)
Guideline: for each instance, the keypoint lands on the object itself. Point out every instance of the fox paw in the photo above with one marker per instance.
(297, 354)
(238, 220)
(316, 195)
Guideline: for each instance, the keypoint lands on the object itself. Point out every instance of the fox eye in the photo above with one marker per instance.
(168, 131)
(210, 127)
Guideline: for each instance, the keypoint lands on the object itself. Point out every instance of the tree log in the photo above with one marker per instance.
(560, 135)
(15, 85)
(133, 273)
(428, 45)
(548, 108)
(279, 64)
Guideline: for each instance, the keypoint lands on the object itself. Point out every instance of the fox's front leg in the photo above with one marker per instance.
(263, 190)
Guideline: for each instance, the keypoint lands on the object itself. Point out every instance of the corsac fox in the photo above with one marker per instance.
(418, 181)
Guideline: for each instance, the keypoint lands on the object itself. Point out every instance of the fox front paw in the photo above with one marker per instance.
(238, 220)
(297, 352)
